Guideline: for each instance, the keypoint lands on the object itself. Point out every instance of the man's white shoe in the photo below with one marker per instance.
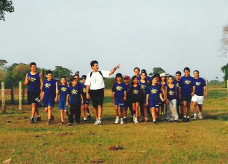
(117, 121)
(200, 116)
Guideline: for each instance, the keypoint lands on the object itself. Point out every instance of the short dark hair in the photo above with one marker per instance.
(178, 73)
(196, 71)
(32, 63)
(93, 62)
(63, 77)
(49, 72)
(137, 68)
(133, 78)
(186, 69)
(73, 79)
(170, 76)
(84, 76)
(144, 73)
(119, 75)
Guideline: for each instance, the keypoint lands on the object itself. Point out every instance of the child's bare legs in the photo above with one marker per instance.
(136, 110)
(46, 109)
(117, 110)
(195, 104)
(185, 103)
(87, 109)
(145, 112)
(49, 113)
(67, 113)
(153, 113)
(84, 111)
(34, 109)
(62, 115)
(188, 109)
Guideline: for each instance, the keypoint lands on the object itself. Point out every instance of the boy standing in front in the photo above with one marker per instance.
(49, 96)
(75, 100)
(187, 90)
(63, 90)
(119, 95)
(34, 81)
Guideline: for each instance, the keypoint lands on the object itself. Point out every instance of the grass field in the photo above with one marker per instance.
(201, 141)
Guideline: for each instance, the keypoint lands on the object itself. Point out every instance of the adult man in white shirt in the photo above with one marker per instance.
(95, 88)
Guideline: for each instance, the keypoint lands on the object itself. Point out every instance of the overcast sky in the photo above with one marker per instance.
(170, 34)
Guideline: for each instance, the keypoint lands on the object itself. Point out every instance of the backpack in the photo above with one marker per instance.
(99, 72)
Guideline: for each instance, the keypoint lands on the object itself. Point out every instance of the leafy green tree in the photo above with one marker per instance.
(5, 6)
(61, 71)
(158, 70)
(225, 71)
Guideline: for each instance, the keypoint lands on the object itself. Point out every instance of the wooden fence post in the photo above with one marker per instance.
(20, 96)
(3, 97)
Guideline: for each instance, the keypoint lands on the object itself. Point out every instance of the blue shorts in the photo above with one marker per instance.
(187, 98)
(49, 101)
(86, 102)
(120, 103)
(154, 104)
(62, 105)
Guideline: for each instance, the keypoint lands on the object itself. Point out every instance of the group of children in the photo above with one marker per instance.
(157, 96)
(160, 95)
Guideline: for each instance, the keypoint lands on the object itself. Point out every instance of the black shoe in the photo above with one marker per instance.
(52, 119)
(132, 119)
(38, 119)
(49, 122)
(187, 119)
(184, 119)
(32, 120)
(69, 124)
(125, 120)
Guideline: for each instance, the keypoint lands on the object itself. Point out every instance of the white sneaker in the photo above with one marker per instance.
(195, 117)
(200, 116)
(99, 121)
(136, 121)
(117, 120)
(121, 121)
(96, 122)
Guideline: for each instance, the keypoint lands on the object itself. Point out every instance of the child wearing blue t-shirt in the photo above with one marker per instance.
(179, 102)
(171, 100)
(200, 94)
(187, 90)
(85, 105)
(63, 90)
(75, 100)
(119, 96)
(34, 81)
(154, 95)
(136, 96)
(143, 108)
(49, 95)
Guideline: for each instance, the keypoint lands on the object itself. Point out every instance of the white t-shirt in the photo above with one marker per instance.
(96, 81)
